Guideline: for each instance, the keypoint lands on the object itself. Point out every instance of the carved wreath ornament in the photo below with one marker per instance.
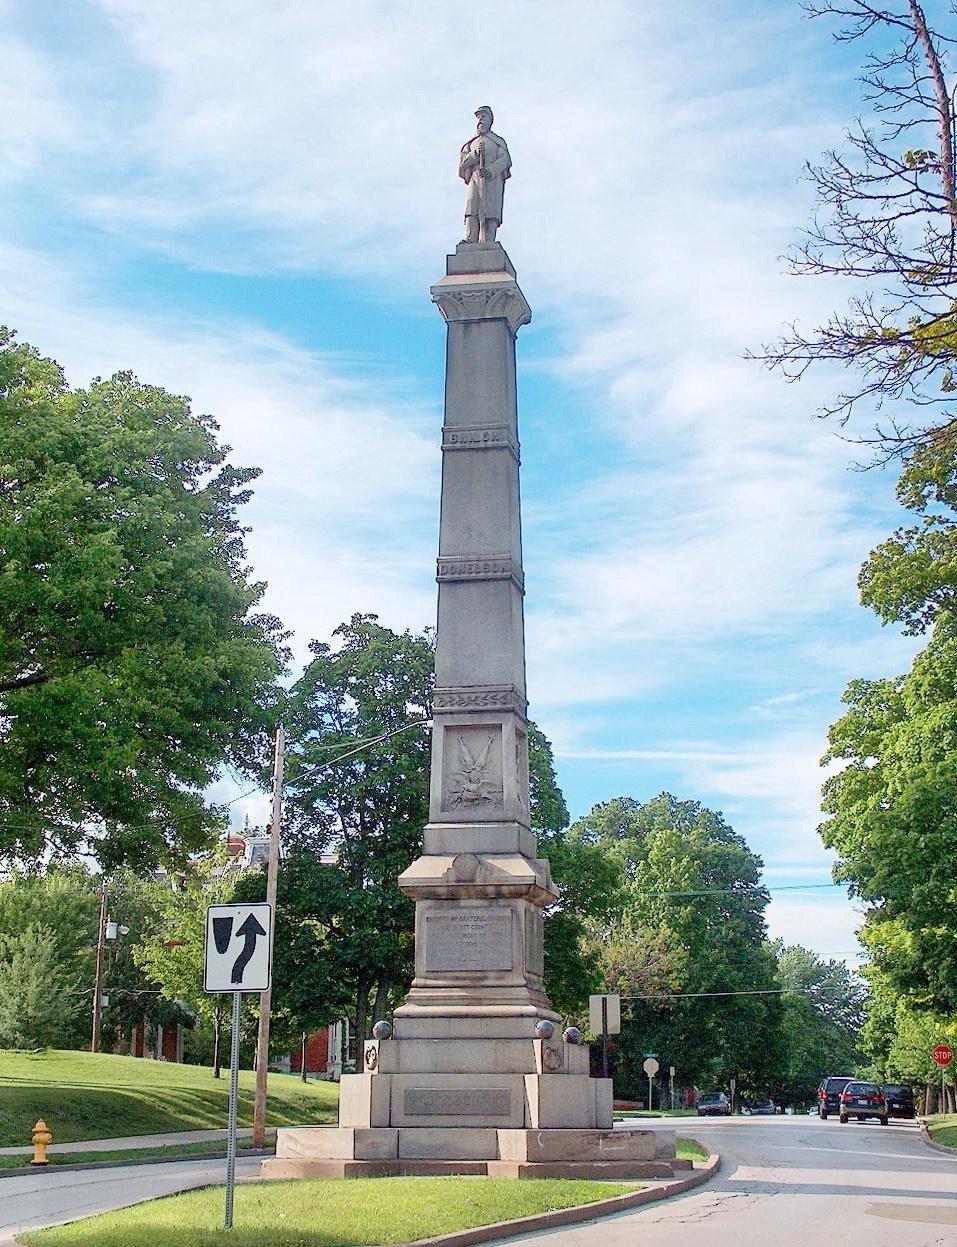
(552, 1059)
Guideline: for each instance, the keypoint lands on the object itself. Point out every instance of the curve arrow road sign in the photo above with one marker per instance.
(238, 948)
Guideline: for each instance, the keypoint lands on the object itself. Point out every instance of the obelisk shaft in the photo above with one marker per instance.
(479, 886)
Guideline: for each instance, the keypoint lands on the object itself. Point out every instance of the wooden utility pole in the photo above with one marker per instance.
(98, 978)
(265, 998)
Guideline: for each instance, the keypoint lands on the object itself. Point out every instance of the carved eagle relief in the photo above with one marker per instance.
(469, 783)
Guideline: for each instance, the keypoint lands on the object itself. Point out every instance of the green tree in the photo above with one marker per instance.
(693, 901)
(821, 1020)
(172, 954)
(132, 664)
(899, 1039)
(892, 817)
(590, 882)
(886, 217)
(361, 801)
(61, 906)
(40, 996)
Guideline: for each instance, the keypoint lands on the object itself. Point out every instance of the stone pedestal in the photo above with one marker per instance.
(471, 1081)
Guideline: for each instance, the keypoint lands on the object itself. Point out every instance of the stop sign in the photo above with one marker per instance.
(943, 1055)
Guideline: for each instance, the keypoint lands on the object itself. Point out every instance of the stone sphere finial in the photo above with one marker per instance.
(571, 1034)
(382, 1030)
(544, 1029)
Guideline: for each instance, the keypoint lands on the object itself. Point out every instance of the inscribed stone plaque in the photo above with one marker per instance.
(466, 1103)
(534, 942)
(469, 939)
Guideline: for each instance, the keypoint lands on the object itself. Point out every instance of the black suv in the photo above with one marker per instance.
(829, 1095)
(900, 1100)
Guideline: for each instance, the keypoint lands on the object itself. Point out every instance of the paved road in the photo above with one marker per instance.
(53, 1196)
(795, 1182)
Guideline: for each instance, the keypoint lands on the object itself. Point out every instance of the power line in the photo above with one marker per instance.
(359, 747)
(763, 991)
(748, 887)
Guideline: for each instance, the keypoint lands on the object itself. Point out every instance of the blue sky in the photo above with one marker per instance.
(247, 203)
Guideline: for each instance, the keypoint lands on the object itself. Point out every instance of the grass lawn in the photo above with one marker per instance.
(690, 1149)
(348, 1213)
(213, 1147)
(82, 1095)
(942, 1128)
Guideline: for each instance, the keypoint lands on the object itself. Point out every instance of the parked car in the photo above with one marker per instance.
(761, 1108)
(829, 1095)
(863, 1100)
(713, 1104)
(900, 1100)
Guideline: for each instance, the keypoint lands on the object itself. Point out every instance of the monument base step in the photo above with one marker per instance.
(610, 1170)
(341, 1152)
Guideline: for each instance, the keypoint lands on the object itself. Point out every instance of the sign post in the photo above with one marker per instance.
(943, 1054)
(651, 1068)
(604, 1019)
(238, 959)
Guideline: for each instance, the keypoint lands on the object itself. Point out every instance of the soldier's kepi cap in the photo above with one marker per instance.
(484, 108)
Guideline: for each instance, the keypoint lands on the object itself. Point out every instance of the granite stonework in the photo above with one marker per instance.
(476, 1076)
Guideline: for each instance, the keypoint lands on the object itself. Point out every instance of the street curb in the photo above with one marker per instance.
(125, 1164)
(569, 1216)
(938, 1147)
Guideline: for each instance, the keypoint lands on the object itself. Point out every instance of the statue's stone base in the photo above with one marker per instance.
(505, 1106)
(330, 1152)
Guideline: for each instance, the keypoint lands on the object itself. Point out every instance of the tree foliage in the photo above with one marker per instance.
(362, 801)
(899, 1037)
(886, 217)
(821, 1021)
(892, 817)
(891, 808)
(172, 954)
(40, 995)
(61, 909)
(132, 664)
(690, 922)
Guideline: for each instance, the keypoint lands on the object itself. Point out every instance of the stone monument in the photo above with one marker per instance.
(476, 1076)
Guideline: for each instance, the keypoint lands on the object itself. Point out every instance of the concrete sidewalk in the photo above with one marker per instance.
(131, 1141)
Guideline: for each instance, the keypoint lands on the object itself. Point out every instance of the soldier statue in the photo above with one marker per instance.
(484, 164)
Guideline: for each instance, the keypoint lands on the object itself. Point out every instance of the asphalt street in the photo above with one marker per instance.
(795, 1182)
(52, 1196)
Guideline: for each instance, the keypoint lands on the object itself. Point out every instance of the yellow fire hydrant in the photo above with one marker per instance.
(42, 1138)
